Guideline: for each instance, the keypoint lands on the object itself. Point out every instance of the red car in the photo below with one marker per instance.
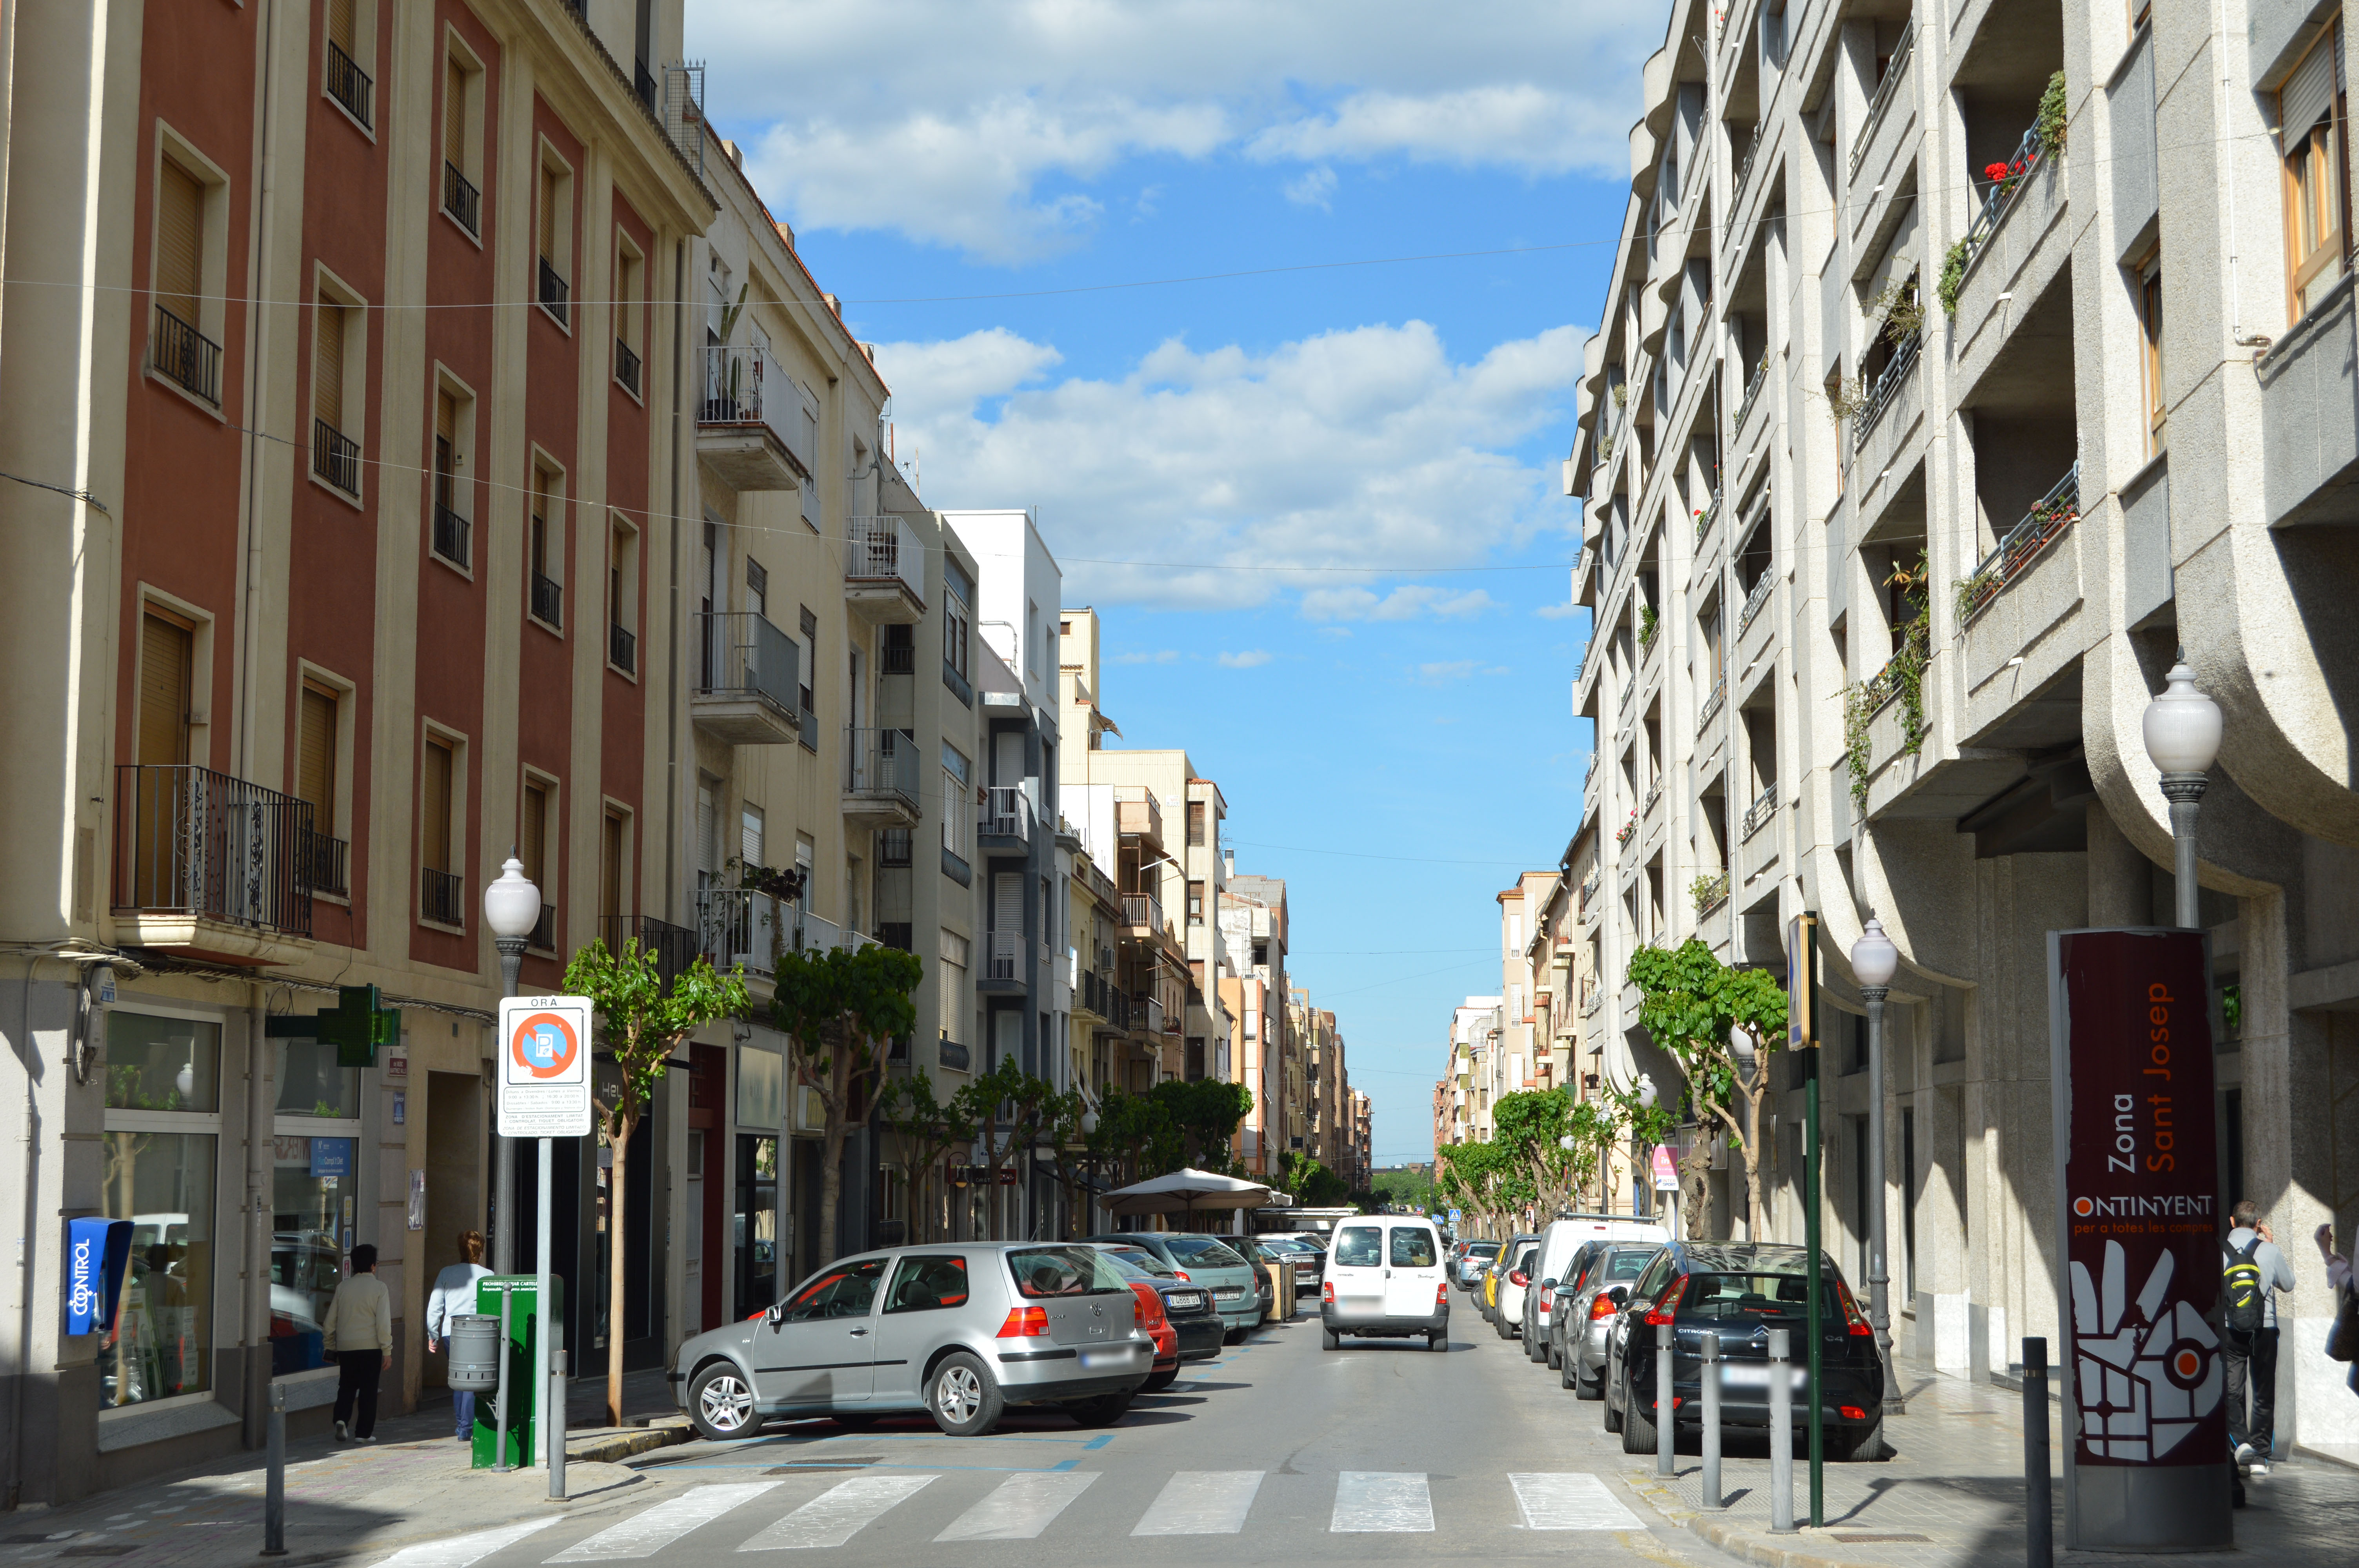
(1151, 1317)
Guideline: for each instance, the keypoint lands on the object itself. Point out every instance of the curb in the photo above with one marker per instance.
(614, 1447)
(1727, 1537)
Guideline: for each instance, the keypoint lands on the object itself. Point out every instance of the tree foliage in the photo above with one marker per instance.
(1692, 1004)
(1312, 1184)
(840, 1011)
(930, 1127)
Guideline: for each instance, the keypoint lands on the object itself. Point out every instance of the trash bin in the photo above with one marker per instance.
(474, 1352)
(526, 1374)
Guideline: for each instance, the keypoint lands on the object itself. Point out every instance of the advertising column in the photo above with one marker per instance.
(2146, 1462)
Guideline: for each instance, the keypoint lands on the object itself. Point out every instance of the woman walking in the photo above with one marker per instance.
(455, 1293)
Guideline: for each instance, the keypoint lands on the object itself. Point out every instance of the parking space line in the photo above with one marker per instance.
(646, 1532)
(838, 1514)
(1019, 1508)
(1202, 1502)
(1375, 1500)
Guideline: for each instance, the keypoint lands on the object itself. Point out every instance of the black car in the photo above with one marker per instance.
(1188, 1306)
(1741, 1291)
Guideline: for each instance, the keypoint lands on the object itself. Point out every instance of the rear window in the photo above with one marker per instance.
(1043, 1272)
(1145, 1263)
(1413, 1248)
(1203, 1252)
(1484, 1249)
(1625, 1266)
(1360, 1247)
(1774, 1293)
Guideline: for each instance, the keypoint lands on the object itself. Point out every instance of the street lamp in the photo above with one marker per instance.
(511, 908)
(2182, 737)
(1873, 961)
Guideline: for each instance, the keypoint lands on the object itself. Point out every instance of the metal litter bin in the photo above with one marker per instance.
(474, 1352)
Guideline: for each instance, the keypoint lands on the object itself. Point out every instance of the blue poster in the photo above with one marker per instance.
(97, 1252)
(332, 1157)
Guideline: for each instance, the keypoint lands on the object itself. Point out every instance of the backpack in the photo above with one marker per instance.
(2241, 1282)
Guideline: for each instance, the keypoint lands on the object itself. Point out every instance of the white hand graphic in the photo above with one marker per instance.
(2146, 1379)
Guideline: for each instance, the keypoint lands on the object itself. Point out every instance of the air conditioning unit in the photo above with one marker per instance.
(810, 1116)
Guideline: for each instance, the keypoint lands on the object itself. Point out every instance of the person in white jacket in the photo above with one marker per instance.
(359, 1334)
(455, 1293)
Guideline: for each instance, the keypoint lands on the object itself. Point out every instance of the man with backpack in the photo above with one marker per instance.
(2252, 1272)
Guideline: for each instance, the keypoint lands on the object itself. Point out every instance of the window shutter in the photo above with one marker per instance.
(708, 844)
(610, 869)
(163, 692)
(548, 216)
(340, 26)
(1007, 901)
(434, 849)
(454, 114)
(315, 765)
(328, 364)
(180, 217)
(446, 418)
(2308, 93)
(534, 851)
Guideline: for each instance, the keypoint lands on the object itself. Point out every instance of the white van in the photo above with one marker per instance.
(1384, 1280)
(1552, 1258)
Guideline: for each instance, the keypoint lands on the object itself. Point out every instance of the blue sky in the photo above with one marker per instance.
(1320, 510)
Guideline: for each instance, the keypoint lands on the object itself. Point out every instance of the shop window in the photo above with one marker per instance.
(161, 1154)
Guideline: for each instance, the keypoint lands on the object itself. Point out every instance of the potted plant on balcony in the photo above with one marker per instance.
(1624, 834)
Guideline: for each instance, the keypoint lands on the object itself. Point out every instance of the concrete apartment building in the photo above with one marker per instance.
(1529, 1062)
(1474, 1077)
(323, 587)
(1254, 935)
(1902, 491)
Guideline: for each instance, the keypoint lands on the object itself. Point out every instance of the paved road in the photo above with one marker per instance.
(1381, 1450)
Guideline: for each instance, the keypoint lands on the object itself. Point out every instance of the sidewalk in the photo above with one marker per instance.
(1952, 1496)
(351, 1501)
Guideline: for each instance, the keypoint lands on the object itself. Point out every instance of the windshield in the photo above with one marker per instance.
(1203, 1252)
(1041, 1271)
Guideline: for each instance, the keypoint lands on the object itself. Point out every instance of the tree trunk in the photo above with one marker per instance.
(616, 1190)
(831, 1172)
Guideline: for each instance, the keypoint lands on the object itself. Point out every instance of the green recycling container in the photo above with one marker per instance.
(527, 1377)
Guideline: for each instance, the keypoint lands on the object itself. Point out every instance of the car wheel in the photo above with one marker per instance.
(964, 1397)
(1535, 1347)
(1102, 1411)
(1555, 1355)
(1437, 1341)
(1159, 1380)
(1612, 1416)
(1585, 1387)
(721, 1403)
(1330, 1340)
(1234, 1336)
(1638, 1427)
(1564, 1373)
(1868, 1444)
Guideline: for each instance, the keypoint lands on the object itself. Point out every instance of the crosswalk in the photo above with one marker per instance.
(1019, 1507)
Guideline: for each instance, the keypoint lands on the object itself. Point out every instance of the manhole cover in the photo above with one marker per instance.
(1885, 1539)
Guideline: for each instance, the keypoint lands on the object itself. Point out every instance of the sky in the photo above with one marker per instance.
(1318, 505)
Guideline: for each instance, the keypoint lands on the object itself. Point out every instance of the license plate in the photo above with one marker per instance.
(1228, 1292)
(1742, 1375)
(1105, 1357)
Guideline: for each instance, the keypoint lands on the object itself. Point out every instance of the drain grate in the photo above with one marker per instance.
(1885, 1539)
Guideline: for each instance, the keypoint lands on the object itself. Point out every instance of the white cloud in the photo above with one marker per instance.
(1246, 660)
(1366, 449)
(1561, 610)
(1457, 669)
(972, 125)
(1312, 188)
(1163, 657)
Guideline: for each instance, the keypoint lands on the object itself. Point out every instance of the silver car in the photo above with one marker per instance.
(961, 1331)
(1585, 1327)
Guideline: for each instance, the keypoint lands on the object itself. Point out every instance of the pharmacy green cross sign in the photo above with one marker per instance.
(355, 1026)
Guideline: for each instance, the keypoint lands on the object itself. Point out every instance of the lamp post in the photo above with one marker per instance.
(511, 908)
(2182, 737)
(1646, 1097)
(1873, 961)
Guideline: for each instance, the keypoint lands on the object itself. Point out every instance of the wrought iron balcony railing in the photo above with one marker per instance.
(462, 200)
(335, 457)
(186, 356)
(348, 84)
(192, 842)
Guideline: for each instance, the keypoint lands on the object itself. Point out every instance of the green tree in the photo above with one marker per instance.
(930, 1127)
(1693, 1005)
(1204, 1115)
(1529, 1126)
(1312, 1184)
(1012, 1109)
(640, 1021)
(840, 1011)
(1409, 1187)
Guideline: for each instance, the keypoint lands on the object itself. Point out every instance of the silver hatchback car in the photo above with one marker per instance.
(960, 1331)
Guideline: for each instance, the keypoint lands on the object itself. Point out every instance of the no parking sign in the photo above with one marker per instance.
(545, 1066)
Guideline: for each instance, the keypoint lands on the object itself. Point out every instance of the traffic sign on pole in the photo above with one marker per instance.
(544, 1080)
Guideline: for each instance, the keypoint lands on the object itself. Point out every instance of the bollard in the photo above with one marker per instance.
(1781, 1435)
(1711, 1402)
(500, 1465)
(2040, 1532)
(274, 1492)
(557, 1416)
(1667, 1426)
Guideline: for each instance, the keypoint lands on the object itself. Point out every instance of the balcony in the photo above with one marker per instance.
(880, 778)
(184, 356)
(1881, 396)
(554, 292)
(1141, 818)
(461, 201)
(623, 648)
(451, 536)
(2049, 517)
(749, 422)
(543, 938)
(1713, 704)
(442, 899)
(210, 865)
(739, 928)
(1147, 1017)
(745, 690)
(1003, 958)
(1760, 814)
(1143, 912)
(1007, 817)
(1887, 92)
(336, 458)
(626, 367)
(885, 571)
(323, 861)
(348, 84)
(548, 600)
(675, 946)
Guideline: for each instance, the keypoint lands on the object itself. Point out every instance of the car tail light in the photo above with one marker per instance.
(1518, 1279)
(1327, 1293)
(1852, 1412)
(1442, 1295)
(1025, 1323)
(1668, 1303)
(1182, 1275)
(1603, 1306)
(1860, 1326)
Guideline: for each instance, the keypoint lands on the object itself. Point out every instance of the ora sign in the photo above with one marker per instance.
(545, 1066)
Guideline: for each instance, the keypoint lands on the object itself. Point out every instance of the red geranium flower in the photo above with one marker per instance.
(1994, 171)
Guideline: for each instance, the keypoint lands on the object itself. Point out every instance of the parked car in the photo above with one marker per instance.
(1741, 1291)
(1210, 1261)
(1309, 1258)
(1384, 1280)
(1563, 1241)
(1186, 1306)
(961, 1331)
(1587, 1309)
(1514, 1287)
(1473, 1257)
(1495, 1272)
(1152, 1318)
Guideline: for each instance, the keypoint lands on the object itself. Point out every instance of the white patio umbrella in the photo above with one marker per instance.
(1185, 1191)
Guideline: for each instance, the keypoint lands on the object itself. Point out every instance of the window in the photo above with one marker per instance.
(957, 594)
(1195, 904)
(462, 78)
(345, 81)
(440, 887)
(454, 432)
(927, 1284)
(809, 624)
(1195, 824)
(613, 866)
(338, 341)
(555, 220)
(545, 549)
(630, 272)
(2150, 326)
(532, 849)
(810, 451)
(1413, 1248)
(2317, 183)
(1360, 1247)
(956, 773)
(318, 740)
(163, 1138)
(623, 597)
(844, 1291)
(185, 347)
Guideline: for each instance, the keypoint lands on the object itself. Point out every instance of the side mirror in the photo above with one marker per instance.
(1621, 1295)
(775, 1315)
(1548, 1284)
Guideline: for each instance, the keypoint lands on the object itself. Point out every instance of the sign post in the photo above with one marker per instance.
(1802, 1034)
(2146, 1466)
(544, 1094)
